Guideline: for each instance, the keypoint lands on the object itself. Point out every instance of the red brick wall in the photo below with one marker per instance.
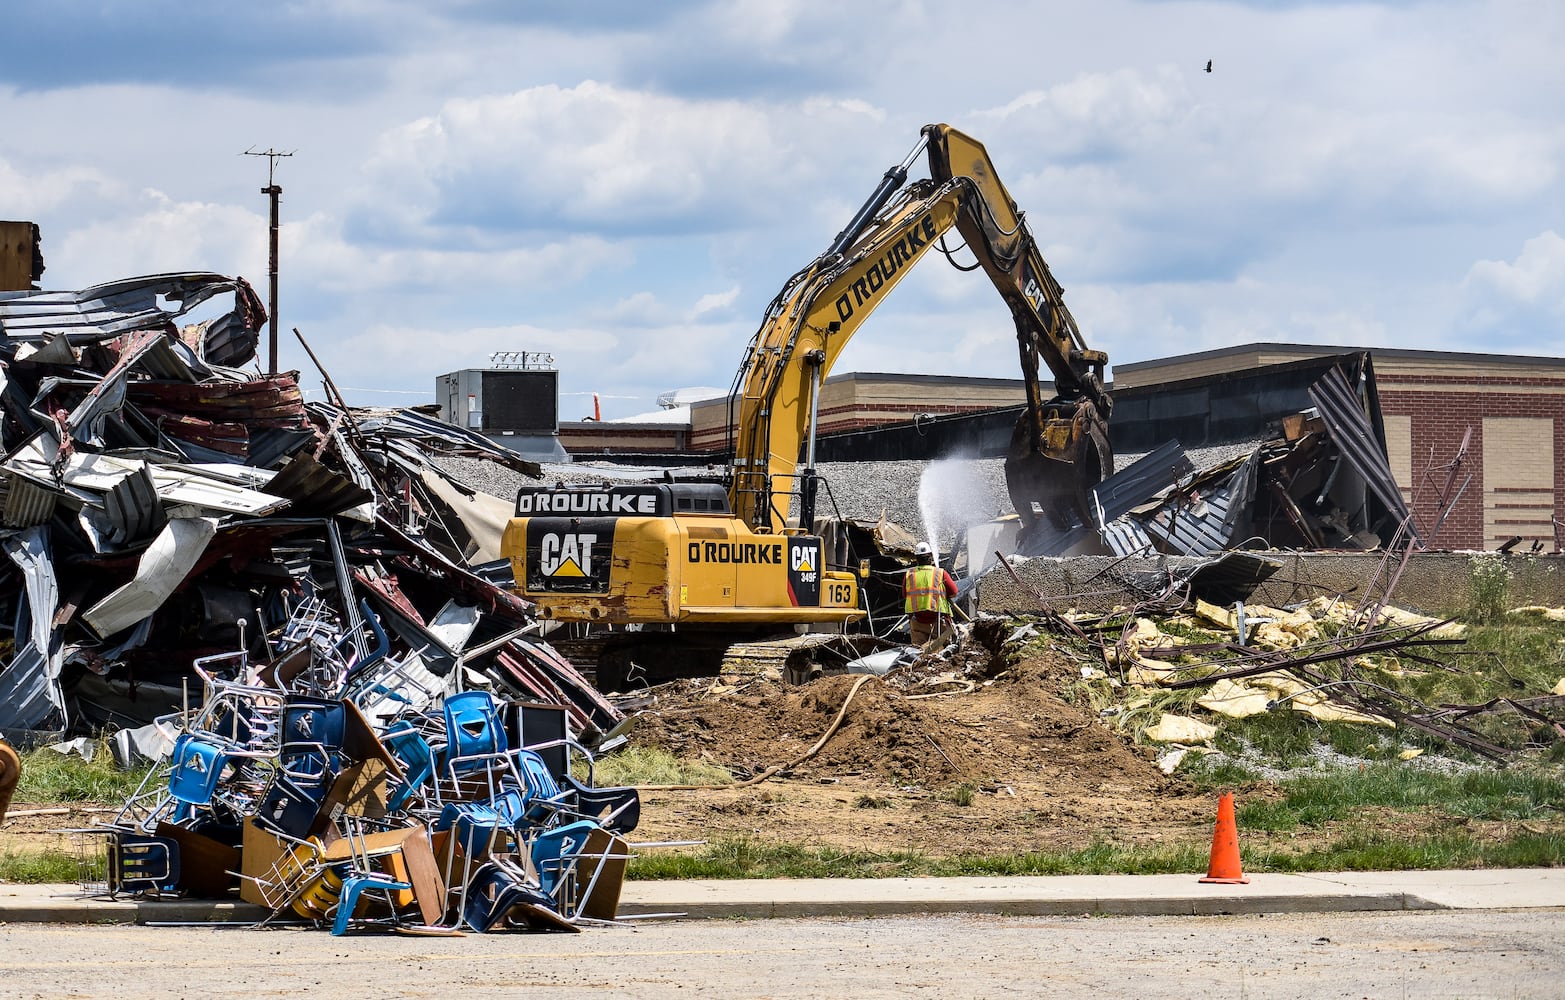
(1442, 408)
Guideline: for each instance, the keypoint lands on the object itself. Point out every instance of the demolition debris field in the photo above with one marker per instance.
(984, 755)
(1007, 767)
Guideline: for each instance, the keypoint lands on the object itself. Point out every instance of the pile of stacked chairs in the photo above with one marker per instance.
(342, 786)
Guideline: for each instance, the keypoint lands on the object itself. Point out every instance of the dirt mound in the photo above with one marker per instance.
(993, 731)
(1040, 770)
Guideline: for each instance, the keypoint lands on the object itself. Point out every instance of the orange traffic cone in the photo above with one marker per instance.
(1225, 846)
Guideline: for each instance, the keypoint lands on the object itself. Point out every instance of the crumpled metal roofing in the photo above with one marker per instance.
(131, 304)
(1353, 433)
(153, 496)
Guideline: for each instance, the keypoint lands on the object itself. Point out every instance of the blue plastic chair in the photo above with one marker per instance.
(475, 826)
(313, 731)
(555, 853)
(545, 798)
(498, 891)
(197, 767)
(139, 863)
(354, 886)
(413, 753)
(474, 733)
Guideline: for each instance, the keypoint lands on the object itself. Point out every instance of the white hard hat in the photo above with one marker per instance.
(922, 549)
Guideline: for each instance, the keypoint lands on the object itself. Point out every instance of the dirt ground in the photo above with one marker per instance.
(1042, 773)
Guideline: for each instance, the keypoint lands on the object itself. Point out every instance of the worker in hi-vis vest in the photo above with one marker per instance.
(926, 595)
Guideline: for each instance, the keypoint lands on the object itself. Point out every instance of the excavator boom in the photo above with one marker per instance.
(1059, 448)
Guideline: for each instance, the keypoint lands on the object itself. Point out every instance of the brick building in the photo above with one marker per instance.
(857, 400)
(1510, 479)
(1510, 409)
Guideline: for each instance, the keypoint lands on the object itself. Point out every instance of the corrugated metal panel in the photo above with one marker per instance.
(107, 310)
(26, 502)
(30, 696)
(1210, 525)
(165, 358)
(315, 489)
(162, 568)
(274, 401)
(1352, 433)
(134, 509)
(1127, 537)
(408, 424)
(1142, 480)
(175, 483)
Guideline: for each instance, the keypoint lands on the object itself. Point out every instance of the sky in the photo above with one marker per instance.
(626, 184)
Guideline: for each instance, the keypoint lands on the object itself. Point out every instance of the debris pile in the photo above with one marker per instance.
(369, 699)
(1173, 674)
(159, 505)
(309, 784)
(1323, 483)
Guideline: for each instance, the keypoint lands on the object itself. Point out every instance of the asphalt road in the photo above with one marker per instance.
(1507, 954)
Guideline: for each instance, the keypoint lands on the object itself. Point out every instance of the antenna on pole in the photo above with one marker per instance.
(274, 191)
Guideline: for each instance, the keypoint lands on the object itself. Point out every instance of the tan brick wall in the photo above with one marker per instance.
(1518, 477)
(1399, 450)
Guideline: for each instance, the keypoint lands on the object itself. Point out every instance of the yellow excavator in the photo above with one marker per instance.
(721, 562)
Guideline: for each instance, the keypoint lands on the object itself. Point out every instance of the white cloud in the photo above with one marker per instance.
(1520, 293)
(31, 194)
(596, 157)
(317, 248)
(718, 302)
(165, 235)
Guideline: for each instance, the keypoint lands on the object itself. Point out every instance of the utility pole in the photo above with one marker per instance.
(274, 191)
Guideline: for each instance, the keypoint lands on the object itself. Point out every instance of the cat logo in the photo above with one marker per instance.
(804, 579)
(567, 555)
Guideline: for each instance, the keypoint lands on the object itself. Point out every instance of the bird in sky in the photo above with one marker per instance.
(1209, 65)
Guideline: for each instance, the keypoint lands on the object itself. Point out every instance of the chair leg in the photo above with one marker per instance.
(355, 886)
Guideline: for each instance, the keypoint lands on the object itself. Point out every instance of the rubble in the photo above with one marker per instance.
(378, 734)
(159, 504)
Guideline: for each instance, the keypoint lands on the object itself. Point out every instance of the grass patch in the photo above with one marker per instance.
(742, 858)
(1314, 800)
(960, 794)
(643, 766)
(1284, 739)
(1379, 851)
(50, 776)
(52, 866)
(1216, 771)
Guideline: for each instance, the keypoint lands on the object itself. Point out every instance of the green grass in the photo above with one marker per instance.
(49, 776)
(642, 766)
(738, 858)
(45, 867)
(1314, 800)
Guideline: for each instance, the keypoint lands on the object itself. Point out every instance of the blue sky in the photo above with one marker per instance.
(627, 184)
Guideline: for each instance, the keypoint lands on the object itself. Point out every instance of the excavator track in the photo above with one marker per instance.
(624, 661)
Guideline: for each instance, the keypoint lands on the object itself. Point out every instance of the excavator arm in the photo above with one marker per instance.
(1059, 448)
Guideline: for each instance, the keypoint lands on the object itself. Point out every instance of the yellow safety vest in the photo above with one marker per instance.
(924, 590)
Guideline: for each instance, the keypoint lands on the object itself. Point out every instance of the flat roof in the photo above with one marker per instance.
(896, 377)
(1318, 350)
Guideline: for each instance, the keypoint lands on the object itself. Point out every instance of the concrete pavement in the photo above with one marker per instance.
(1122, 895)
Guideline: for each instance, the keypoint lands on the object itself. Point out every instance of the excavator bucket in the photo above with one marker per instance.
(1051, 482)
